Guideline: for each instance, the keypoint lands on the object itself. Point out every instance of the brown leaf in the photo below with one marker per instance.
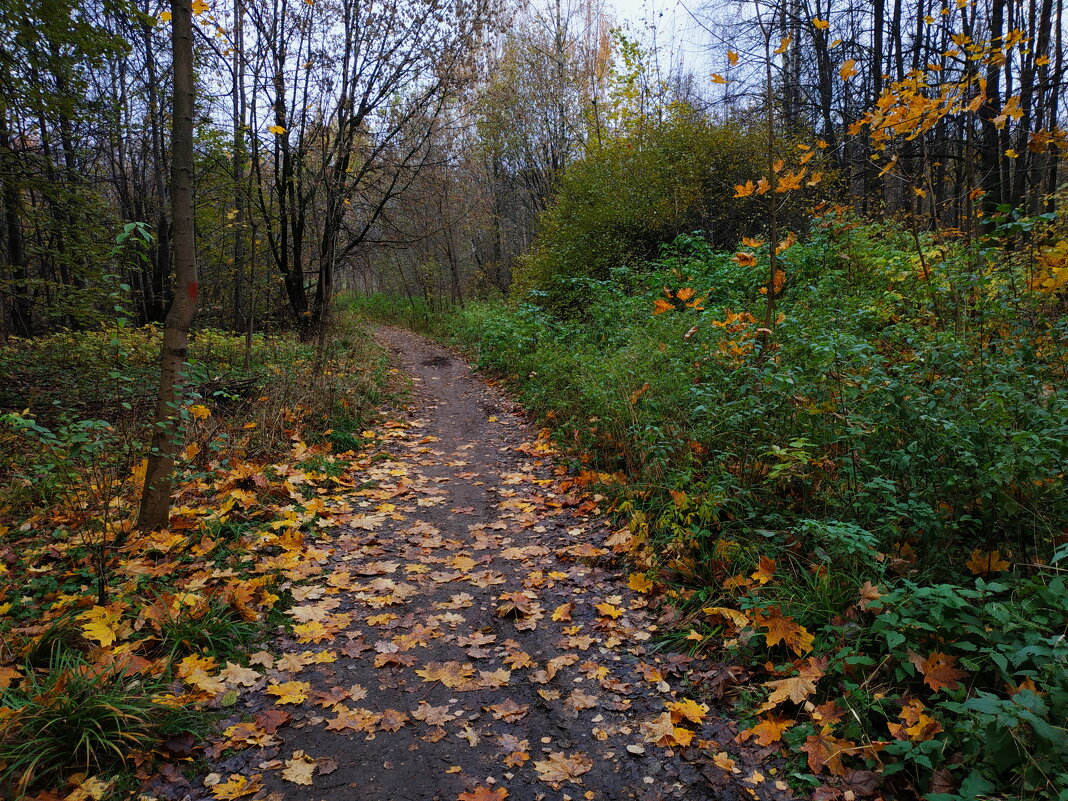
(271, 719)
(559, 768)
(938, 671)
(508, 711)
(432, 715)
(392, 720)
(825, 751)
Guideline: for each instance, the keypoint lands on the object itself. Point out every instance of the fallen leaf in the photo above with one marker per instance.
(290, 692)
(299, 769)
(237, 786)
(559, 768)
(767, 731)
(484, 794)
(982, 563)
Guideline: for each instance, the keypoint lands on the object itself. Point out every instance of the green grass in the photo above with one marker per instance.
(75, 717)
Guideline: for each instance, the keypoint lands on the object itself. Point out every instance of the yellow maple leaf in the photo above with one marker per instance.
(312, 631)
(737, 618)
(299, 769)
(290, 692)
(796, 688)
(820, 24)
(101, 624)
(682, 736)
(608, 610)
(848, 69)
(687, 709)
(639, 582)
(237, 786)
(277, 130)
(200, 412)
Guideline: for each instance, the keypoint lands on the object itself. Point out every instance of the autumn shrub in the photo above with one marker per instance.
(880, 495)
(634, 190)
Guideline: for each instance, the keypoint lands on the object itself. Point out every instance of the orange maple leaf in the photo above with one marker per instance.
(745, 190)
(982, 563)
(684, 294)
(796, 688)
(938, 670)
(916, 725)
(660, 306)
(767, 731)
(484, 794)
(765, 570)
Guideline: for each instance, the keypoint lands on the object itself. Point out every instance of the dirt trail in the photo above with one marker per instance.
(464, 671)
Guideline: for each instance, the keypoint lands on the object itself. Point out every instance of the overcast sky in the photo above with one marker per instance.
(676, 29)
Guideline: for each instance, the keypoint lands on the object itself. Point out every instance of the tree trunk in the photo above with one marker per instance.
(21, 302)
(240, 322)
(990, 161)
(156, 498)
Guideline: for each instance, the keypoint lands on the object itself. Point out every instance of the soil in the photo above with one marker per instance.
(459, 579)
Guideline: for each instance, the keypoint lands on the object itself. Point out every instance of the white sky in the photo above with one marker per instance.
(676, 30)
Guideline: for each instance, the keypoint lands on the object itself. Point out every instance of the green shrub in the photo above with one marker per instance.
(631, 192)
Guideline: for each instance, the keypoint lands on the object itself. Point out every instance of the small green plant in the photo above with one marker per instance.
(212, 629)
(76, 717)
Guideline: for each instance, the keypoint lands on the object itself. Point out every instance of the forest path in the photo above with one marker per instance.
(491, 648)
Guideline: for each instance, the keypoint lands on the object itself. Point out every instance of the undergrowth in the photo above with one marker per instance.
(111, 639)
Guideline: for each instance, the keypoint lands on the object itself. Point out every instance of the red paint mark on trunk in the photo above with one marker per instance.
(192, 289)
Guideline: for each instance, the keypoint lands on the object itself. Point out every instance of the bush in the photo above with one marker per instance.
(633, 191)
